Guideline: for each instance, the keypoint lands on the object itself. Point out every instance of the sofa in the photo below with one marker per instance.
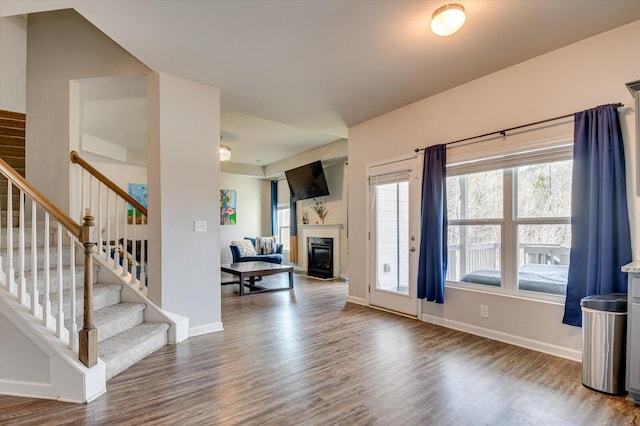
(240, 251)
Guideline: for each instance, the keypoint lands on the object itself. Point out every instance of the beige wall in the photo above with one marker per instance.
(183, 178)
(249, 213)
(13, 63)
(62, 46)
(581, 76)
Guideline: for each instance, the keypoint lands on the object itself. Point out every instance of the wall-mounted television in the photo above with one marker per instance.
(307, 181)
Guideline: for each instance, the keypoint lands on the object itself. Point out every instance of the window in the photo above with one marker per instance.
(284, 227)
(509, 223)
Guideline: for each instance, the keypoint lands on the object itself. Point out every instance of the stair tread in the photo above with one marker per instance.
(103, 295)
(114, 319)
(115, 346)
(109, 313)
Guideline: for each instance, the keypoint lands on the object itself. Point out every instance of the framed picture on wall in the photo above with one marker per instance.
(138, 192)
(227, 207)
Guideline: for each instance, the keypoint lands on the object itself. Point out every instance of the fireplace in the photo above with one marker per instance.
(320, 260)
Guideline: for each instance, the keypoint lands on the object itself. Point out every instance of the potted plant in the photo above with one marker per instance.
(320, 210)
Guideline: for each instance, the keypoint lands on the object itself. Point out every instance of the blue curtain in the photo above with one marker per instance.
(600, 235)
(432, 267)
(293, 240)
(274, 207)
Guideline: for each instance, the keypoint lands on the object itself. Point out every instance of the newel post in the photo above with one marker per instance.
(88, 338)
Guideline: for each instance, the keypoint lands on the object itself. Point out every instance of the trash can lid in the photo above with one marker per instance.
(611, 302)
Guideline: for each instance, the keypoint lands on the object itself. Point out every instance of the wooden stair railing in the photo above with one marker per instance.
(25, 285)
(121, 220)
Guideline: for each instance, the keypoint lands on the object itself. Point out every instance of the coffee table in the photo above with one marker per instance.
(253, 270)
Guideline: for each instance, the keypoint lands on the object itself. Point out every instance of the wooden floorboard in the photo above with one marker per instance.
(308, 357)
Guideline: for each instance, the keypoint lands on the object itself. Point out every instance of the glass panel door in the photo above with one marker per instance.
(393, 238)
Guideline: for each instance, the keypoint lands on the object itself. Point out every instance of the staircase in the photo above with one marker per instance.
(124, 337)
(51, 347)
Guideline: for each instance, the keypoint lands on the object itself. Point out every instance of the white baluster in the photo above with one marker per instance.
(99, 221)
(90, 192)
(10, 271)
(107, 254)
(48, 321)
(116, 256)
(134, 261)
(82, 175)
(36, 309)
(73, 332)
(143, 263)
(60, 330)
(125, 257)
(22, 283)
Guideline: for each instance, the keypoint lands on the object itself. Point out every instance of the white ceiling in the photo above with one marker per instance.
(319, 67)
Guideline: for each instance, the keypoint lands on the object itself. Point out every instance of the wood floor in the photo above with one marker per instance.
(308, 357)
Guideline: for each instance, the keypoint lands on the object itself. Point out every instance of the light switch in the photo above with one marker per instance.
(200, 226)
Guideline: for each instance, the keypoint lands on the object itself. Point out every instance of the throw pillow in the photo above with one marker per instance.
(245, 247)
(266, 245)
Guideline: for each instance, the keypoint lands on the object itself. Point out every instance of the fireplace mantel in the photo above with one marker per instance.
(319, 231)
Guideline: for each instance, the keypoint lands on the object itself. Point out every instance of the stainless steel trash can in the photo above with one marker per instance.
(604, 331)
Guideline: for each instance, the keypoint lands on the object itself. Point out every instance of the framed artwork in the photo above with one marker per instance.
(227, 207)
(139, 192)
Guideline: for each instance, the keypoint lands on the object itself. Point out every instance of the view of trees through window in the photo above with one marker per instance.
(539, 225)
(544, 191)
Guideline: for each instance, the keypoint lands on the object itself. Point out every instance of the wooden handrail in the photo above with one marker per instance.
(75, 158)
(88, 342)
(20, 182)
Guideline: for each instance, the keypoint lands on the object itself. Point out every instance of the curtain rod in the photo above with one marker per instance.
(504, 132)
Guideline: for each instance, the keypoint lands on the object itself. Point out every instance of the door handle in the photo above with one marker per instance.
(412, 249)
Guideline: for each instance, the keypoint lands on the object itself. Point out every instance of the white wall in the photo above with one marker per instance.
(581, 76)
(336, 204)
(34, 365)
(13, 63)
(249, 212)
(183, 179)
(62, 46)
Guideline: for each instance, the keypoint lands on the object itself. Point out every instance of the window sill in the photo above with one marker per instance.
(513, 294)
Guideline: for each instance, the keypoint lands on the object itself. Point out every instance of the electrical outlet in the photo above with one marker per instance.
(200, 226)
(484, 311)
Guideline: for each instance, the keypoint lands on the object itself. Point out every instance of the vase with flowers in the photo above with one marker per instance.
(320, 209)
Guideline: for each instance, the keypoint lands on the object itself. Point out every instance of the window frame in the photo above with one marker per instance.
(285, 246)
(510, 222)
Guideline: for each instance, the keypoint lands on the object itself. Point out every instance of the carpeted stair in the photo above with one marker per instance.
(123, 336)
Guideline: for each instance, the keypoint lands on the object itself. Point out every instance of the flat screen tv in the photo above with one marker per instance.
(307, 181)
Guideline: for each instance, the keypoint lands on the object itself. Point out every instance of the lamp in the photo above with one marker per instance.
(225, 153)
(448, 19)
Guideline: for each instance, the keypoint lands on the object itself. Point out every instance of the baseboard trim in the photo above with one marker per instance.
(40, 391)
(199, 330)
(511, 339)
(356, 300)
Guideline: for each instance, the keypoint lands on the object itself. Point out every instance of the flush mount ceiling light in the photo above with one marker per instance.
(448, 19)
(225, 153)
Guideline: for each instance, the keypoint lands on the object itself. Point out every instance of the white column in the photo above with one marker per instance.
(183, 178)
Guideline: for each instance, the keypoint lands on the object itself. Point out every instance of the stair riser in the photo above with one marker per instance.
(53, 259)
(120, 324)
(53, 279)
(101, 298)
(129, 358)
(53, 241)
(115, 325)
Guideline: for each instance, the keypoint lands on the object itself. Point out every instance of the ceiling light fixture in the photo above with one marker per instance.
(448, 19)
(225, 153)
